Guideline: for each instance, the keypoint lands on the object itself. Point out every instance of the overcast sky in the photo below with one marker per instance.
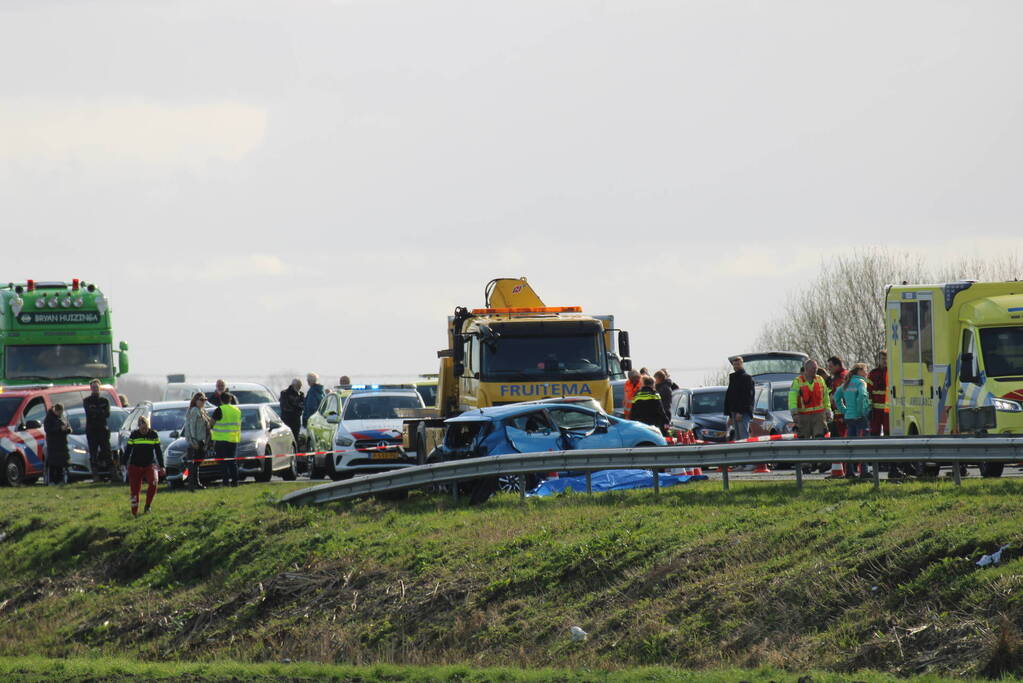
(310, 185)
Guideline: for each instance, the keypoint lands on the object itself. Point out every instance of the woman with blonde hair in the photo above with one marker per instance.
(197, 433)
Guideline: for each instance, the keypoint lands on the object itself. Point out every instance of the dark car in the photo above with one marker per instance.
(702, 412)
(771, 410)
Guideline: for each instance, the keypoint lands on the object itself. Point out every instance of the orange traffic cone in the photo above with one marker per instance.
(837, 470)
(696, 472)
(762, 468)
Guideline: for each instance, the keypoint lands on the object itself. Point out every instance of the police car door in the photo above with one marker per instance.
(29, 437)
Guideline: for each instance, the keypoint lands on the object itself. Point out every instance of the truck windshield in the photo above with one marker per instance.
(546, 357)
(1003, 351)
(8, 406)
(58, 361)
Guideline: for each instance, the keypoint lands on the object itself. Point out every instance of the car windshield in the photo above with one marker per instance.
(252, 396)
(251, 419)
(76, 418)
(429, 393)
(792, 365)
(58, 361)
(8, 406)
(709, 402)
(571, 357)
(168, 419)
(378, 407)
(1003, 351)
(780, 399)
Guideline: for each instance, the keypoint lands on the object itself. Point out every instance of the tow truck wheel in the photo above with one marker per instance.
(991, 469)
(14, 471)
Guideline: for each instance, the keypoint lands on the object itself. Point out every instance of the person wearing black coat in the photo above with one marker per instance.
(97, 433)
(664, 387)
(292, 405)
(739, 399)
(647, 407)
(56, 427)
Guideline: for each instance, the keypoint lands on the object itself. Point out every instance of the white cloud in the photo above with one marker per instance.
(43, 131)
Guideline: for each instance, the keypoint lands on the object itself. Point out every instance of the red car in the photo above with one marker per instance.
(22, 441)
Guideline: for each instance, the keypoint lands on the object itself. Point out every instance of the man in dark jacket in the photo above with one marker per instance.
(97, 433)
(739, 398)
(56, 427)
(292, 405)
(647, 408)
(313, 396)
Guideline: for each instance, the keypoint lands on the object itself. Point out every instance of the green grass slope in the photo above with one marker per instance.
(838, 578)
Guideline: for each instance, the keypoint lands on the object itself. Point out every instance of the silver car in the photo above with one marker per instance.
(78, 445)
(263, 434)
(165, 417)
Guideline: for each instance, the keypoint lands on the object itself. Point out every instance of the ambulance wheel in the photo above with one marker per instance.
(991, 469)
(14, 471)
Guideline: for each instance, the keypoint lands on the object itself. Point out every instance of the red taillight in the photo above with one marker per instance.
(31, 284)
(74, 284)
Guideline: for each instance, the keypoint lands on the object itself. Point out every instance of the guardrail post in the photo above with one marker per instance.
(657, 482)
(589, 481)
(955, 473)
(454, 491)
(877, 475)
(799, 476)
(724, 476)
(522, 486)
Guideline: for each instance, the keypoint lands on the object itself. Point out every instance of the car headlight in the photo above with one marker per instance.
(1006, 406)
(79, 451)
(344, 441)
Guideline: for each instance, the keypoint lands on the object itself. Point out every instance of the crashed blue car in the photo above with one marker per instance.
(535, 428)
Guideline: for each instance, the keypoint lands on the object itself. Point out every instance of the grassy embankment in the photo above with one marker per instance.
(837, 578)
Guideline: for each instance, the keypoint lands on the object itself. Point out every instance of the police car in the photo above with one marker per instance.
(357, 429)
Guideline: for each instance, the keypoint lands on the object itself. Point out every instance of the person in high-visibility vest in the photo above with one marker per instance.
(877, 384)
(226, 433)
(810, 402)
(632, 385)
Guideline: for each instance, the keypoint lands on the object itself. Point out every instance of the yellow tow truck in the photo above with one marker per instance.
(516, 348)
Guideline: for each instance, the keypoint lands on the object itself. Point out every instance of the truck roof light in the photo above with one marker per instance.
(527, 309)
(74, 284)
(31, 285)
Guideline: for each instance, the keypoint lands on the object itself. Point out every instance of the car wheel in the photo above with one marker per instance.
(509, 483)
(267, 471)
(991, 469)
(290, 474)
(315, 472)
(931, 469)
(14, 471)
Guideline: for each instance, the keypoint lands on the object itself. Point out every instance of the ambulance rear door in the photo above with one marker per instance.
(911, 325)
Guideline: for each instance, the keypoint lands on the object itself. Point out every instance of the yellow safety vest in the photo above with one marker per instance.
(229, 426)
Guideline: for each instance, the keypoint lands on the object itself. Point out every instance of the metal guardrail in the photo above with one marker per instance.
(941, 449)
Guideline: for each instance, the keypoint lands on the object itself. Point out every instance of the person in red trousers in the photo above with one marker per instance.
(145, 463)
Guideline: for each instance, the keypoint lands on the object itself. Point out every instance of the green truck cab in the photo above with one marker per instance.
(59, 333)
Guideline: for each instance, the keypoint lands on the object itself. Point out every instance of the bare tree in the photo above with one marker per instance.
(842, 311)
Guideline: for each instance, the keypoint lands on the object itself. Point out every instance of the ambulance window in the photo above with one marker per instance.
(910, 328)
(926, 339)
(968, 348)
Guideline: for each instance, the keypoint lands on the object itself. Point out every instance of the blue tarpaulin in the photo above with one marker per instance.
(612, 480)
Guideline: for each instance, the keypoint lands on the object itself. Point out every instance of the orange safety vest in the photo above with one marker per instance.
(810, 398)
(630, 393)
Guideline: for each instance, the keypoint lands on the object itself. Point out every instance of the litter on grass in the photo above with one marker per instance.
(612, 480)
(993, 558)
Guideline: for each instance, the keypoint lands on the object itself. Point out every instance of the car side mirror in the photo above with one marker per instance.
(175, 434)
(332, 418)
(33, 424)
(601, 424)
